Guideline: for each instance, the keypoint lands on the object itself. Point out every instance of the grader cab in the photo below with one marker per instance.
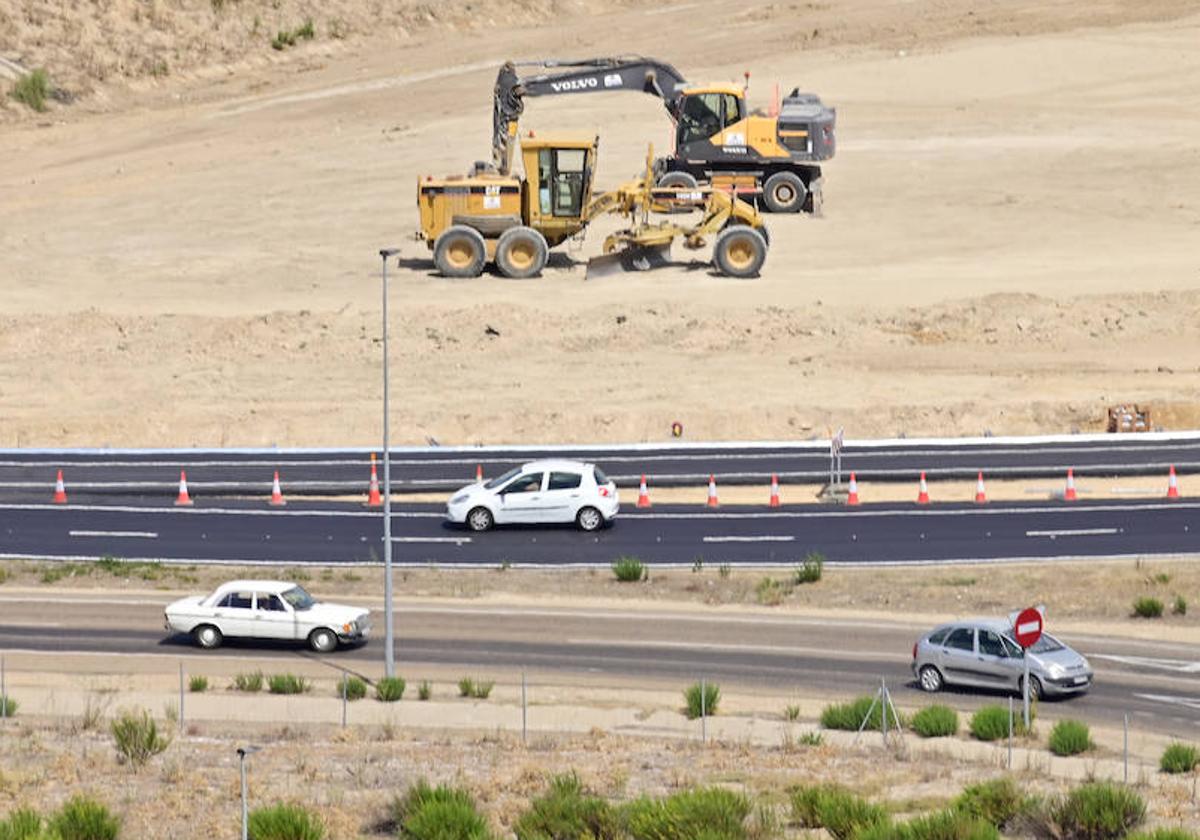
(513, 221)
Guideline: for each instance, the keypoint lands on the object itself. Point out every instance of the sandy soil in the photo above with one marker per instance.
(1009, 242)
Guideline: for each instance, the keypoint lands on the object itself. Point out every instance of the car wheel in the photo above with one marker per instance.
(207, 636)
(589, 519)
(930, 679)
(480, 519)
(322, 640)
(1035, 688)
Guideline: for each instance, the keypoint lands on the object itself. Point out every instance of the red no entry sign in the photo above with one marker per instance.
(1027, 629)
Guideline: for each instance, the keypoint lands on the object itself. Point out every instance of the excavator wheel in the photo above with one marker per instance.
(521, 252)
(740, 251)
(678, 179)
(459, 251)
(784, 192)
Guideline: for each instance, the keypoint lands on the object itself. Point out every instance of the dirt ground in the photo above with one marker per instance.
(190, 248)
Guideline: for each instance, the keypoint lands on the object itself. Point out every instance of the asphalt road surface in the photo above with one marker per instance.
(345, 533)
(28, 474)
(1156, 683)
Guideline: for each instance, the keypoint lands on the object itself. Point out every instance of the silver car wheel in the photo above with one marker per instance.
(589, 519)
(208, 636)
(931, 679)
(1035, 687)
(479, 519)
(322, 640)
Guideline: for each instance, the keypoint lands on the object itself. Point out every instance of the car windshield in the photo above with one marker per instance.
(1046, 644)
(298, 598)
(500, 479)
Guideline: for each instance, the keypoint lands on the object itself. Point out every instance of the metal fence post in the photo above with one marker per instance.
(703, 715)
(524, 712)
(181, 695)
(1126, 750)
(884, 717)
(1010, 730)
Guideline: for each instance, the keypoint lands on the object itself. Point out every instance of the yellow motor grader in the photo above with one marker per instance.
(513, 221)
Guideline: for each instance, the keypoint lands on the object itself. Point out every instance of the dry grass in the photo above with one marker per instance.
(1082, 591)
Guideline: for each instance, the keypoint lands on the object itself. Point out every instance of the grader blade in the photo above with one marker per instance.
(638, 258)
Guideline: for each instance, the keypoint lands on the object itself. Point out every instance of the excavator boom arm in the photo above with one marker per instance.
(592, 75)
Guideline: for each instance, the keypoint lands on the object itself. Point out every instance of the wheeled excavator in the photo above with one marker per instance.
(512, 221)
(718, 141)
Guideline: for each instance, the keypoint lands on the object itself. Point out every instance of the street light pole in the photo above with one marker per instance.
(389, 648)
(242, 753)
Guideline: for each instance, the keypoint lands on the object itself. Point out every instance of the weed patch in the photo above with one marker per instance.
(991, 723)
(628, 569)
(441, 813)
(32, 90)
(997, 801)
(1070, 737)
(810, 569)
(701, 700)
(566, 810)
(81, 818)
(1147, 607)
(198, 684)
(352, 688)
(137, 738)
(1179, 758)
(935, 722)
(248, 682)
(285, 822)
(389, 689)
(287, 684)
(705, 812)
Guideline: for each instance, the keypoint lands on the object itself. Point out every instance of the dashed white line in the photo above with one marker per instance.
(1172, 699)
(453, 540)
(754, 539)
(148, 535)
(1077, 532)
(1178, 665)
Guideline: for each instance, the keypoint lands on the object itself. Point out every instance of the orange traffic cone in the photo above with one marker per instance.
(60, 490)
(479, 472)
(774, 502)
(1172, 485)
(277, 492)
(712, 491)
(643, 496)
(980, 493)
(923, 492)
(373, 497)
(183, 498)
(852, 497)
(1069, 495)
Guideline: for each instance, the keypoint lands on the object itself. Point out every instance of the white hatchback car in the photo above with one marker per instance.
(538, 492)
(266, 609)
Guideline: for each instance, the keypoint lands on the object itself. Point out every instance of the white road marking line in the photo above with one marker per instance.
(454, 540)
(1077, 532)
(149, 535)
(1173, 700)
(763, 538)
(1178, 665)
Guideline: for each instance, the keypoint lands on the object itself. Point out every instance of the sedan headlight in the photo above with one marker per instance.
(459, 499)
(350, 627)
(1055, 670)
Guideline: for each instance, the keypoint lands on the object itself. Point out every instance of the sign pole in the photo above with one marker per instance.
(1025, 692)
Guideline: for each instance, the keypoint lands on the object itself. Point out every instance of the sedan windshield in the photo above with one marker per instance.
(500, 479)
(298, 598)
(1046, 644)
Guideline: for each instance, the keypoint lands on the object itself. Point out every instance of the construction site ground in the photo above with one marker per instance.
(190, 254)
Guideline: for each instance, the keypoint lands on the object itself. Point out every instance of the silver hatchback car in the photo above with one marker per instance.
(981, 653)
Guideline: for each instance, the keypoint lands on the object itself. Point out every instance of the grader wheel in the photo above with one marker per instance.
(459, 251)
(739, 251)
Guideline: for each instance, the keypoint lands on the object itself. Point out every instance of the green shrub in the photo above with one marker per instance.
(711, 812)
(285, 822)
(441, 813)
(770, 592)
(1147, 607)
(1163, 834)
(1179, 758)
(997, 801)
(8, 706)
(836, 810)
(198, 684)
(22, 824)
(940, 825)
(1098, 811)
(306, 30)
(483, 689)
(1180, 605)
(248, 682)
(811, 739)
(567, 812)
(424, 690)
(694, 697)
(809, 571)
(990, 723)
(466, 687)
(32, 89)
(389, 689)
(81, 818)
(1070, 737)
(287, 684)
(352, 688)
(630, 569)
(137, 738)
(283, 38)
(849, 716)
(935, 722)
(791, 713)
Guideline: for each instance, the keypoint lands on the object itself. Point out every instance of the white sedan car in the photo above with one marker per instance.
(266, 609)
(537, 492)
